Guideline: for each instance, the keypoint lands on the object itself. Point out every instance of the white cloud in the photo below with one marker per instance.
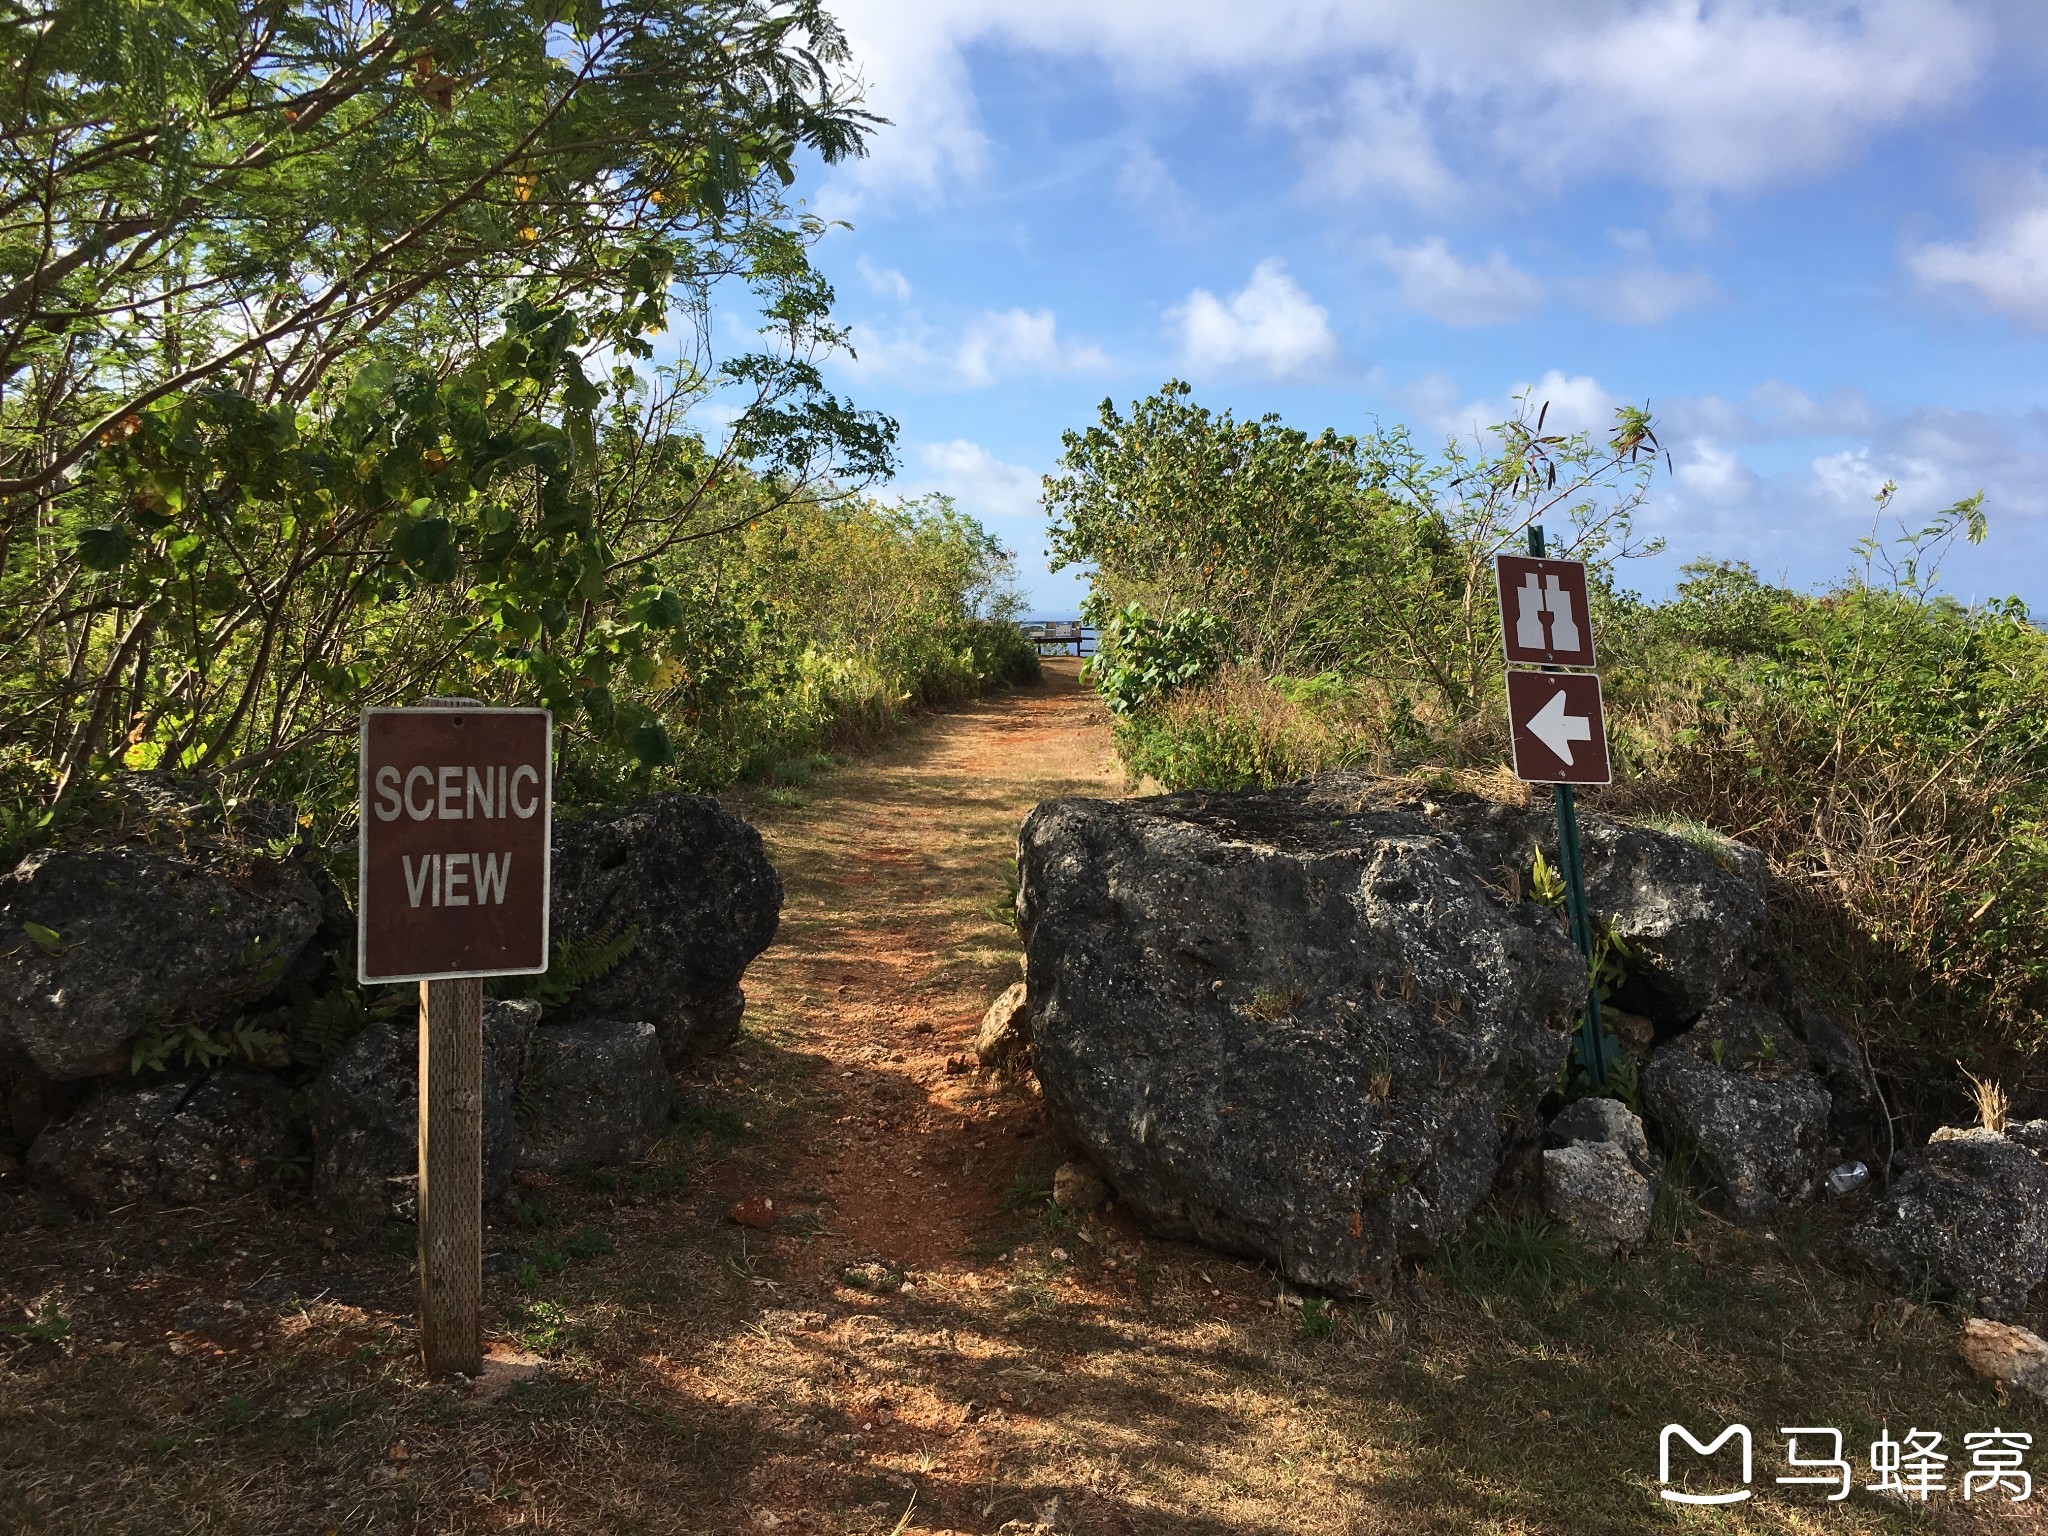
(1773, 411)
(1577, 403)
(1419, 97)
(886, 281)
(992, 346)
(983, 484)
(1716, 474)
(1798, 522)
(1269, 326)
(1003, 342)
(1650, 295)
(1005, 497)
(1441, 285)
(1378, 139)
(2006, 268)
(1642, 291)
(1733, 96)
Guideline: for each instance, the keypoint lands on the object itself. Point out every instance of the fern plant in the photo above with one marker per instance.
(197, 1047)
(573, 966)
(326, 1024)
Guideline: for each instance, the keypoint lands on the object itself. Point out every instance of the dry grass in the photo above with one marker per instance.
(700, 1377)
(1990, 1100)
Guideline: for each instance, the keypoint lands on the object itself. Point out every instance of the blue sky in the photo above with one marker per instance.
(1814, 238)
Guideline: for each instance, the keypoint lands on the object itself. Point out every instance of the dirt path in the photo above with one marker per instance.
(895, 936)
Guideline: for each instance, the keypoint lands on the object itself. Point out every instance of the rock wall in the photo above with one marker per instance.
(1314, 1023)
(181, 915)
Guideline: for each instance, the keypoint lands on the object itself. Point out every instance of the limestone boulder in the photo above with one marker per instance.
(1967, 1222)
(187, 1138)
(364, 1114)
(594, 1092)
(181, 915)
(1762, 1140)
(1299, 1024)
(693, 884)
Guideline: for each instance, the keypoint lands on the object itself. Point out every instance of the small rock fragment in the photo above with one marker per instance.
(1606, 1120)
(2007, 1354)
(1054, 1517)
(1594, 1189)
(1005, 1029)
(1077, 1188)
(757, 1211)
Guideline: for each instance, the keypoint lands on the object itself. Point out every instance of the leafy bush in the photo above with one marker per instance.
(1240, 732)
(1334, 553)
(1141, 659)
(1889, 749)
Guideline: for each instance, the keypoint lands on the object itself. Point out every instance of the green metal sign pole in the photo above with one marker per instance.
(1592, 1034)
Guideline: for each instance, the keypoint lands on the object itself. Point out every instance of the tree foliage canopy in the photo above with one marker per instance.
(316, 325)
(1332, 550)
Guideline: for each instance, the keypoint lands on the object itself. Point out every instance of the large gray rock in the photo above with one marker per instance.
(1743, 1035)
(1691, 908)
(1293, 1024)
(186, 1138)
(364, 1114)
(594, 1092)
(1762, 1139)
(189, 921)
(1599, 1195)
(1968, 1222)
(692, 881)
(1691, 912)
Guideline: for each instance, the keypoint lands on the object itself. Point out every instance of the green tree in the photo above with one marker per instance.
(1320, 552)
(297, 310)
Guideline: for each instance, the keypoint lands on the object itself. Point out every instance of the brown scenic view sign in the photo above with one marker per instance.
(1559, 728)
(454, 843)
(1544, 619)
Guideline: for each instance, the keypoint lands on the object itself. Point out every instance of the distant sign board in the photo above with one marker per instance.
(1559, 728)
(1544, 619)
(456, 807)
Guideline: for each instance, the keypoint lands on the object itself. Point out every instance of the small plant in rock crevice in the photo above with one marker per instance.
(1990, 1101)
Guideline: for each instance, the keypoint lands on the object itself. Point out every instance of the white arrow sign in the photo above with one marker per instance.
(1558, 730)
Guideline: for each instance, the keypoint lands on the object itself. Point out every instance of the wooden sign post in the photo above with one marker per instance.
(451, 1188)
(453, 887)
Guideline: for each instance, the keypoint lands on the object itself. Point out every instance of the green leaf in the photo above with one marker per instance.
(48, 940)
(662, 609)
(103, 548)
(650, 745)
(428, 547)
